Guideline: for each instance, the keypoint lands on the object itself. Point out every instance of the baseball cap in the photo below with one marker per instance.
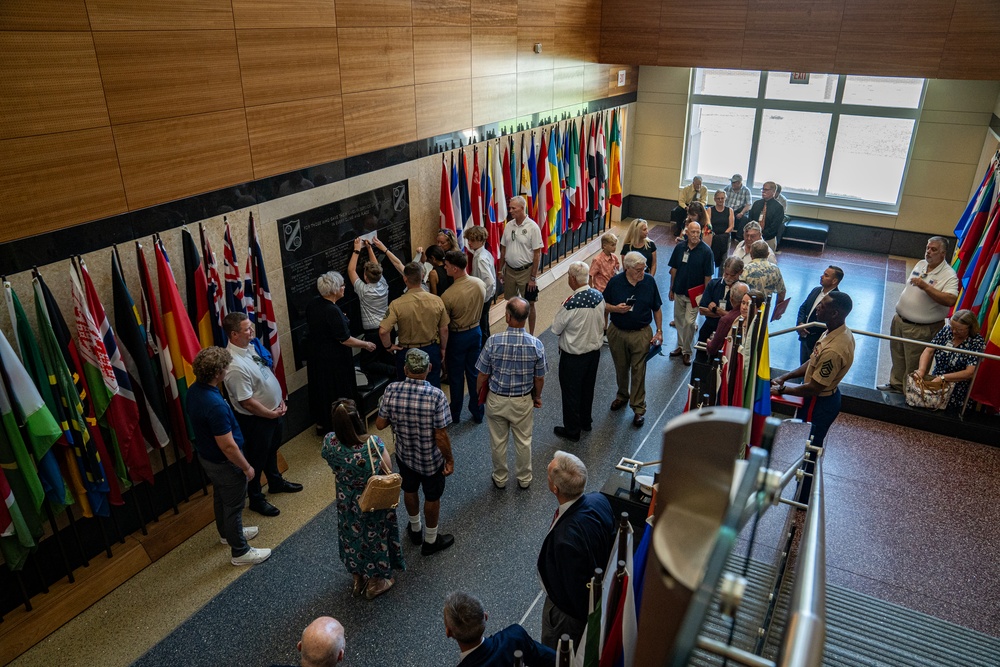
(417, 361)
(736, 177)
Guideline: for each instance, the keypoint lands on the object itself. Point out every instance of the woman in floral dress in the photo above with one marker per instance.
(962, 334)
(369, 541)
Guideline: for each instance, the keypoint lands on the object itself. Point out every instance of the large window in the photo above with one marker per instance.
(826, 138)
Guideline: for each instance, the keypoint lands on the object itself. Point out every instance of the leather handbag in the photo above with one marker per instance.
(381, 491)
(929, 393)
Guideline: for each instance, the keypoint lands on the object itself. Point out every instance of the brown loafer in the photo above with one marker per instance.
(360, 583)
(676, 353)
(618, 404)
(376, 587)
(686, 359)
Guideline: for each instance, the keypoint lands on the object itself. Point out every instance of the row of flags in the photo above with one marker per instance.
(977, 263)
(80, 418)
(569, 173)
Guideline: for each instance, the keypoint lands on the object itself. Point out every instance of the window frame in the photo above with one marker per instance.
(836, 108)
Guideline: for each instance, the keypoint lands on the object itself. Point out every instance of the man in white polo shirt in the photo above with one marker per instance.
(931, 290)
(255, 395)
(520, 255)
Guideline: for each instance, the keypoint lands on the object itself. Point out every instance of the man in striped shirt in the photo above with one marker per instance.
(513, 365)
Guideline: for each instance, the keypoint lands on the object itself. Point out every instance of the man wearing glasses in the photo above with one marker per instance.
(633, 300)
(768, 213)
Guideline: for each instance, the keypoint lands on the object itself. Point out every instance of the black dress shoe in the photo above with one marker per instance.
(440, 544)
(587, 428)
(563, 433)
(638, 421)
(416, 536)
(263, 507)
(284, 486)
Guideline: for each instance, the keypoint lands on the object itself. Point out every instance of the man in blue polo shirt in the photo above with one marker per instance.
(219, 443)
(691, 265)
(633, 299)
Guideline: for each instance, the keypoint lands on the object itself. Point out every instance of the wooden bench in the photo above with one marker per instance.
(806, 231)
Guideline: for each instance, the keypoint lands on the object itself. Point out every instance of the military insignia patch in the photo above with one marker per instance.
(826, 370)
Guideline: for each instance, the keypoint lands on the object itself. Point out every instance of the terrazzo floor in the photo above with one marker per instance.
(907, 521)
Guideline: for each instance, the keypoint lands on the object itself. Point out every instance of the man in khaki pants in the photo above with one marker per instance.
(512, 363)
(633, 299)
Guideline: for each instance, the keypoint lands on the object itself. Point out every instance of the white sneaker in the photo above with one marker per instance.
(249, 532)
(252, 557)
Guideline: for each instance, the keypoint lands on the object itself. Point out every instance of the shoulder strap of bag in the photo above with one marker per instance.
(371, 459)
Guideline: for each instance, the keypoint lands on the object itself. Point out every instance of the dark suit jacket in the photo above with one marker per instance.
(805, 316)
(498, 650)
(580, 541)
(773, 221)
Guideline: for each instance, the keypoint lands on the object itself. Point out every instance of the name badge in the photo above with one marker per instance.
(684, 259)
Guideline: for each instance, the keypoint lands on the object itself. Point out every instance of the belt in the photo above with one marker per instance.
(519, 268)
(474, 326)
(410, 346)
(916, 324)
(513, 395)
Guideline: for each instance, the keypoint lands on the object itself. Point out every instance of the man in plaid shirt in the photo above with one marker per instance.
(419, 414)
(512, 363)
(739, 198)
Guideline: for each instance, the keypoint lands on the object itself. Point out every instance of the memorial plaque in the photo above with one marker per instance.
(322, 239)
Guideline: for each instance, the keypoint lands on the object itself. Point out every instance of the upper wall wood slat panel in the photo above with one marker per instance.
(903, 54)
(578, 12)
(904, 16)
(494, 98)
(772, 18)
(168, 159)
(158, 74)
(493, 52)
(371, 13)
(47, 15)
(56, 180)
(975, 16)
(800, 52)
(290, 135)
(970, 56)
(377, 119)
(441, 54)
(711, 48)
(437, 13)
(49, 82)
(595, 81)
(443, 107)
(536, 13)
(494, 13)
(374, 58)
(630, 14)
(682, 16)
(285, 64)
(576, 45)
(637, 46)
(160, 15)
(286, 14)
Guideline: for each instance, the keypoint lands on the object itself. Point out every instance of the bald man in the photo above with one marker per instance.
(322, 643)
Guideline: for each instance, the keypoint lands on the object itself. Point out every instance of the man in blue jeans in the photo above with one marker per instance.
(219, 443)
(464, 303)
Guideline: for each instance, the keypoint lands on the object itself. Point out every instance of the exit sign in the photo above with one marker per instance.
(799, 77)
(621, 77)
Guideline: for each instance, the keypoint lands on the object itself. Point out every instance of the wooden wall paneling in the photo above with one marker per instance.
(369, 13)
(442, 12)
(494, 98)
(285, 64)
(527, 37)
(578, 12)
(595, 81)
(630, 45)
(443, 107)
(54, 181)
(44, 15)
(493, 52)
(158, 74)
(889, 53)
(904, 16)
(540, 13)
(286, 14)
(291, 135)
(975, 16)
(441, 54)
(372, 58)
(576, 45)
(798, 52)
(379, 118)
(973, 55)
(534, 92)
(49, 82)
(567, 86)
(494, 13)
(703, 18)
(639, 14)
(168, 159)
(710, 48)
(774, 18)
(159, 15)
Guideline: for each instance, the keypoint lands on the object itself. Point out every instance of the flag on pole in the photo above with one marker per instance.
(197, 291)
(533, 178)
(525, 178)
(489, 203)
(231, 274)
(17, 540)
(465, 199)
(447, 209)
(973, 211)
(456, 204)
(762, 390)
(508, 179)
(985, 389)
(602, 168)
(591, 170)
(216, 295)
(576, 181)
(615, 163)
(544, 192)
(159, 354)
(267, 324)
(499, 188)
(555, 191)
(476, 193)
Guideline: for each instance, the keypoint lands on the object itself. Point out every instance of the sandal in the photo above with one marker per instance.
(378, 586)
(360, 582)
